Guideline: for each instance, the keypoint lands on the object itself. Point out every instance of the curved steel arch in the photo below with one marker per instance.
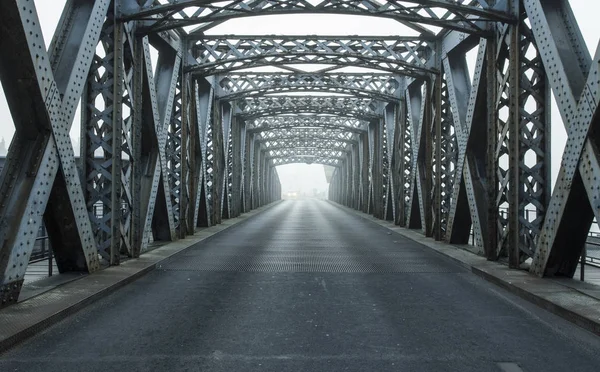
(276, 161)
(306, 121)
(292, 126)
(320, 146)
(307, 133)
(362, 108)
(308, 157)
(385, 87)
(461, 15)
(314, 141)
(307, 152)
(226, 53)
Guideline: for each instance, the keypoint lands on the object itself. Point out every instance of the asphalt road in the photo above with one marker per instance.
(305, 286)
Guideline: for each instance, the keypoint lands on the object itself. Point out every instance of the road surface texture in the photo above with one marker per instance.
(306, 286)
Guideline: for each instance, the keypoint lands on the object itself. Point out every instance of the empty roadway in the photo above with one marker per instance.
(306, 286)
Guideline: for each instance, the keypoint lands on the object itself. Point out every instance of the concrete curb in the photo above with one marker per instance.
(25, 319)
(564, 301)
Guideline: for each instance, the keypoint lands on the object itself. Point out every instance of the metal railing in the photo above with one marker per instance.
(42, 250)
(589, 256)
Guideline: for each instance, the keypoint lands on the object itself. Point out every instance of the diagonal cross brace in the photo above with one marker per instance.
(53, 152)
(464, 98)
(574, 201)
(162, 95)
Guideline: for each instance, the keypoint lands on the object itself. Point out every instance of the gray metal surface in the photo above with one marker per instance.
(297, 321)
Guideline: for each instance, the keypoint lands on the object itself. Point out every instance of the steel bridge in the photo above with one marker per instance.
(413, 134)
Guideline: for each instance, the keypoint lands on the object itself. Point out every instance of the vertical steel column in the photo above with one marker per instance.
(404, 163)
(237, 169)
(204, 98)
(226, 116)
(174, 156)
(514, 189)
(218, 163)
(192, 159)
(418, 197)
(492, 170)
(187, 191)
(256, 172)
(356, 169)
(391, 123)
(102, 125)
(363, 148)
(437, 155)
(249, 171)
(534, 139)
(139, 74)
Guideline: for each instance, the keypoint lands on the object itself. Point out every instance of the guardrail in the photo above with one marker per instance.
(42, 250)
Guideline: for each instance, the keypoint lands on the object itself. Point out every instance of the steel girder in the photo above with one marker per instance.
(361, 108)
(306, 121)
(307, 133)
(291, 159)
(226, 53)
(464, 15)
(308, 156)
(384, 87)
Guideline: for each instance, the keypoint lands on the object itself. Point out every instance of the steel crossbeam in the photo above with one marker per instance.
(464, 15)
(306, 121)
(361, 108)
(385, 87)
(226, 53)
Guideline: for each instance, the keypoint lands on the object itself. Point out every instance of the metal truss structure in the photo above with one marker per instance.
(181, 141)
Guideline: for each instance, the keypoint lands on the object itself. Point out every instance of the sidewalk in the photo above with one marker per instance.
(28, 317)
(576, 301)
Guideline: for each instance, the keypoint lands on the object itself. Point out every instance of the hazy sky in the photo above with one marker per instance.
(303, 176)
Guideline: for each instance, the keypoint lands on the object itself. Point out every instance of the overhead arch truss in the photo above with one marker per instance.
(463, 15)
(461, 154)
(361, 108)
(306, 121)
(226, 53)
(385, 87)
(308, 156)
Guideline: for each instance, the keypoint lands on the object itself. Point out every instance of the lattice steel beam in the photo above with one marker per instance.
(296, 146)
(281, 157)
(302, 160)
(463, 15)
(385, 87)
(226, 53)
(305, 121)
(362, 108)
(307, 133)
(299, 142)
